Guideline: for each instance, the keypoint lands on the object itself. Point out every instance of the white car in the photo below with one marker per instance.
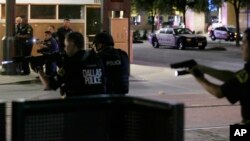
(177, 37)
(227, 33)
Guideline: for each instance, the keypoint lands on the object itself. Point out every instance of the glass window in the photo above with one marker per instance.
(217, 28)
(232, 29)
(93, 20)
(3, 11)
(223, 29)
(21, 11)
(183, 31)
(136, 20)
(169, 31)
(70, 11)
(162, 31)
(43, 12)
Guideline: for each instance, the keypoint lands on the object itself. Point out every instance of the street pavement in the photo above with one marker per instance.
(206, 118)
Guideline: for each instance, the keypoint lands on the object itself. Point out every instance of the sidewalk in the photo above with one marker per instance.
(203, 119)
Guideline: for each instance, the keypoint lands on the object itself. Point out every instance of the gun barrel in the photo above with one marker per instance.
(184, 64)
(181, 72)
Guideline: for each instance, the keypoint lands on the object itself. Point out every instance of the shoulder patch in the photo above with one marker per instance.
(29, 30)
(242, 76)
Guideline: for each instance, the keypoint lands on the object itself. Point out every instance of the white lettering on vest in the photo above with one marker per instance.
(92, 76)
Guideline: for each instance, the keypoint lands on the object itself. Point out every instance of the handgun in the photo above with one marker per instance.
(183, 67)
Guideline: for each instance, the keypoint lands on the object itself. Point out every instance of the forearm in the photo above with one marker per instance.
(218, 74)
(210, 87)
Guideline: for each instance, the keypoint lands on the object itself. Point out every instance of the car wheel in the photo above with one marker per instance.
(180, 45)
(155, 43)
(213, 38)
(202, 47)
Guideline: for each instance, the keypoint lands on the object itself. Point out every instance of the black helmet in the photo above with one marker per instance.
(104, 38)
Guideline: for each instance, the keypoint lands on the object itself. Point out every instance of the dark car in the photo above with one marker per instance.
(177, 37)
(226, 33)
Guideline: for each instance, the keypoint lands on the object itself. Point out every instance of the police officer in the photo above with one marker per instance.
(25, 42)
(82, 72)
(236, 86)
(62, 31)
(48, 46)
(18, 24)
(51, 28)
(116, 64)
(17, 30)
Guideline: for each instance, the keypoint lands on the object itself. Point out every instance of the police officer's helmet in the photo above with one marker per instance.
(104, 38)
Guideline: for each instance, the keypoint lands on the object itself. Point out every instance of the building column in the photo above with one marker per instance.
(8, 41)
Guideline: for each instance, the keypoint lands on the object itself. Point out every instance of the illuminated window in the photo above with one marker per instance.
(21, 11)
(136, 20)
(43, 12)
(70, 11)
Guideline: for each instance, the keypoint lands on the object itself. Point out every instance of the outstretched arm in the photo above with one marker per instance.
(212, 88)
(222, 75)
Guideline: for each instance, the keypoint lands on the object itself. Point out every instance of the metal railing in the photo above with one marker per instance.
(92, 118)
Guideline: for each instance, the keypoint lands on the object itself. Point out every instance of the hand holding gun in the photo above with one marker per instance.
(186, 67)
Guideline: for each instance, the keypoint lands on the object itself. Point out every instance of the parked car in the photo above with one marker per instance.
(177, 37)
(227, 33)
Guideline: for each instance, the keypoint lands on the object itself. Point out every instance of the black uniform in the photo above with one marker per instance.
(25, 45)
(116, 64)
(61, 32)
(51, 47)
(54, 35)
(81, 74)
(238, 89)
(17, 28)
(17, 42)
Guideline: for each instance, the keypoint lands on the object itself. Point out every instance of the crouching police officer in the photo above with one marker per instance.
(81, 73)
(49, 45)
(236, 86)
(116, 63)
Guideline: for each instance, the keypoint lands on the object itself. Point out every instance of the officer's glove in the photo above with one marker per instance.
(196, 72)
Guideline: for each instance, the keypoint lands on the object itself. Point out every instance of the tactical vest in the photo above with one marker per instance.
(93, 73)
(85, 77)
(116, 65)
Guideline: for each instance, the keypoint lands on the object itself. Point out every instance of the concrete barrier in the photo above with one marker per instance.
(2, 122)
(93, 118)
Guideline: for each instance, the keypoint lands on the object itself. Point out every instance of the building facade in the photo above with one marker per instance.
(227, 16)
(85, 15)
